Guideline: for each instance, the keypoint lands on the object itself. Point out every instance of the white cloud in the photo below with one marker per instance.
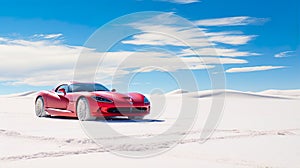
(161, 35)
(284, 54)
(161, 61)
(149, 69)
(201, 66)
(166, 29)
(216, 60)
(252, 69)
(182, 1)
(217, 52)
(3, 39)
(45, 62)
(231, 21)
(232, 39)
(24, 60)
(195, 66)
(229, 37)
(49, 36)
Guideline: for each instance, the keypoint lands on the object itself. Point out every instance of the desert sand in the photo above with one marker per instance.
(256, 130)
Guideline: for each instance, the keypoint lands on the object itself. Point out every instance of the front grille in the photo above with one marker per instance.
(127, 110)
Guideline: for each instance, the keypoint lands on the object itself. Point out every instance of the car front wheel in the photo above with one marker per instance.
(83, 110)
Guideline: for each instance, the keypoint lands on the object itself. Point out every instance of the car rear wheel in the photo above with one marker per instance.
(40, 107)
(83, 110)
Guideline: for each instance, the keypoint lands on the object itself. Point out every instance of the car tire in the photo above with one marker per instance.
(40, 107)
(83, 110)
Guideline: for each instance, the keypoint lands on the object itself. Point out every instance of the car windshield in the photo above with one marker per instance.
(86, 87)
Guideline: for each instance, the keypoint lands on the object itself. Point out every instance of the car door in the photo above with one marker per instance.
(57, 99)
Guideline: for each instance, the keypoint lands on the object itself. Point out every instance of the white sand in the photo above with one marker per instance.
(256, 130)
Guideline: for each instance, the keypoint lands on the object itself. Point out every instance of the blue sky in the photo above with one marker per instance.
(267, 32)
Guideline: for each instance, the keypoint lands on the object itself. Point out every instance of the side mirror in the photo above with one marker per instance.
(62, 90)
(113, 90)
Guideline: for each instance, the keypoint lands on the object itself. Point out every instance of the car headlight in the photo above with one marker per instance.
(146, 101)
(102, 99)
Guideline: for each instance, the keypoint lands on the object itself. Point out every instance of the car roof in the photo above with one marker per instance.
(76, 82)
(73, 82)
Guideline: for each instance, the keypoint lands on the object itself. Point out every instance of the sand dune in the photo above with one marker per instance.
(177, 91)
(22, 94)
(277, 94)
(239, 94)
(289, 93)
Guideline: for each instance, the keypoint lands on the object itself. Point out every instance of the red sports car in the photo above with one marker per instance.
(87, 101)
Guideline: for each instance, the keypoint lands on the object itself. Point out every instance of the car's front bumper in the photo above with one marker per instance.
(120, 109)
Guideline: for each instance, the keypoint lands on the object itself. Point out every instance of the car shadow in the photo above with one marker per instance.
(109, 120)
(62, 118)
(126, 120)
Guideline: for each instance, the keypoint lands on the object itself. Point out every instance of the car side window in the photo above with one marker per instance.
(62, 87)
